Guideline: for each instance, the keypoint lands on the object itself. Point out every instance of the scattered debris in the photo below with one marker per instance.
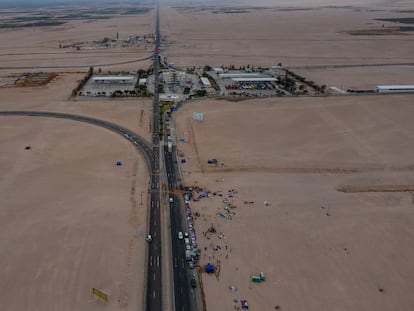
(258, 278)
(244, 304)
(212, 161)
(28, 147)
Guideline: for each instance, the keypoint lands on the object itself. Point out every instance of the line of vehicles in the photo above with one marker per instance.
(251, 86)
(189, 238)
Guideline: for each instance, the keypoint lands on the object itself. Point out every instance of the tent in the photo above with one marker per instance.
(209, 268)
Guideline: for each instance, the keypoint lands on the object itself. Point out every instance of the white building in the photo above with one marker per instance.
(240, 75)
(261, 79)
(114, 79)
(205, 82)
(395, 89)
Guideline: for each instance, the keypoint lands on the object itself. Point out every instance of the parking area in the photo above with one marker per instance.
(106, 86)
(263, 82)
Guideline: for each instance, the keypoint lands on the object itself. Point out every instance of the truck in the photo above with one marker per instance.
(169, 146)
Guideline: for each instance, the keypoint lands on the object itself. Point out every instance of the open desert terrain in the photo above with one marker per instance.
(334, 234)
(310, 37)
(319, 248)
(71, 220)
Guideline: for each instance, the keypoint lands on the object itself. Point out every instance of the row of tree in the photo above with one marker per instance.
(82, 83)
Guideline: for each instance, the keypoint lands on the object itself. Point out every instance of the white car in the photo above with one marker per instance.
(180, 235)
(171, 200)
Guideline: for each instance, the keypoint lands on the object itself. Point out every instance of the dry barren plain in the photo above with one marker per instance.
(311, 37)
(71, 220)
(319, 248)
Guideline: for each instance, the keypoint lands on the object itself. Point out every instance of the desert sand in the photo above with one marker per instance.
(295, 37)
(320, 249)
(71, 220)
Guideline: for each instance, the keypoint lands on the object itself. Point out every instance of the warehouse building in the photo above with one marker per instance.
(260, 79)
(395, 89)
(239, 75)
(114, 79)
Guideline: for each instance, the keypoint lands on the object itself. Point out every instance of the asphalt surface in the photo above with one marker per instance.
(182, 289)
(154, 276)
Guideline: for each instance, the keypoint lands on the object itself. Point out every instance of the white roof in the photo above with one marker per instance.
(253, 79)
(205, 81)
(239, 75)
(143, 80)
(395, 87)
(114, 78)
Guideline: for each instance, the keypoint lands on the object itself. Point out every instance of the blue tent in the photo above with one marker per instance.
(118, 163)
(209, 268)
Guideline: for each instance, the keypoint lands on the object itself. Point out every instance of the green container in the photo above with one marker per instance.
(256, 279)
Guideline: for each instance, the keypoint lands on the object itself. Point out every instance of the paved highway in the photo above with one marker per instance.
(154, 276)
(182, 290)
(180, 267)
